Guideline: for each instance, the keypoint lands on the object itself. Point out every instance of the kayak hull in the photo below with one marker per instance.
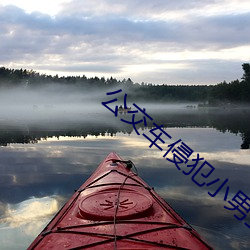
(116, 209)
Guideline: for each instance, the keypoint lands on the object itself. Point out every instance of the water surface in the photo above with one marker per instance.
(44, 160)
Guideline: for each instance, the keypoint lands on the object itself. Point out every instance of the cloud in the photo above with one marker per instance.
(125, 39)
(142, 10)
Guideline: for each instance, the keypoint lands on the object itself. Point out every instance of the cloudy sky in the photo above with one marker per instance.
(157, 41)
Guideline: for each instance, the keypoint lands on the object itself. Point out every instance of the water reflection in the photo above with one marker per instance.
(36, 179)
(101, 124)
(22, 220)
(31, 210)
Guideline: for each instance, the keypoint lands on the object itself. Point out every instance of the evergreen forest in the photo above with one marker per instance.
(225, 93)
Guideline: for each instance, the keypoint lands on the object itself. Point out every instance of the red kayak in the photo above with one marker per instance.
(116, 209)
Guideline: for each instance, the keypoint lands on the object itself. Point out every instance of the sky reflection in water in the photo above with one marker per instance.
(36, 179)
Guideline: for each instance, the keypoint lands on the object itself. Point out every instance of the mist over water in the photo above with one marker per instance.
(61, 103)
(59, 107)
(54, 102)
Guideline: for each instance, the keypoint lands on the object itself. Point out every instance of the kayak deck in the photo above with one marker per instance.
(116, 209)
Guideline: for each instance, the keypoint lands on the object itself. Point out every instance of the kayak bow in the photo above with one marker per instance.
(116, 209)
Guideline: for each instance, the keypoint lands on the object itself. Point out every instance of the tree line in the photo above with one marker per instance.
(236, 91)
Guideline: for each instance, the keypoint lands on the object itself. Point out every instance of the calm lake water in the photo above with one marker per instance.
(45, 158)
